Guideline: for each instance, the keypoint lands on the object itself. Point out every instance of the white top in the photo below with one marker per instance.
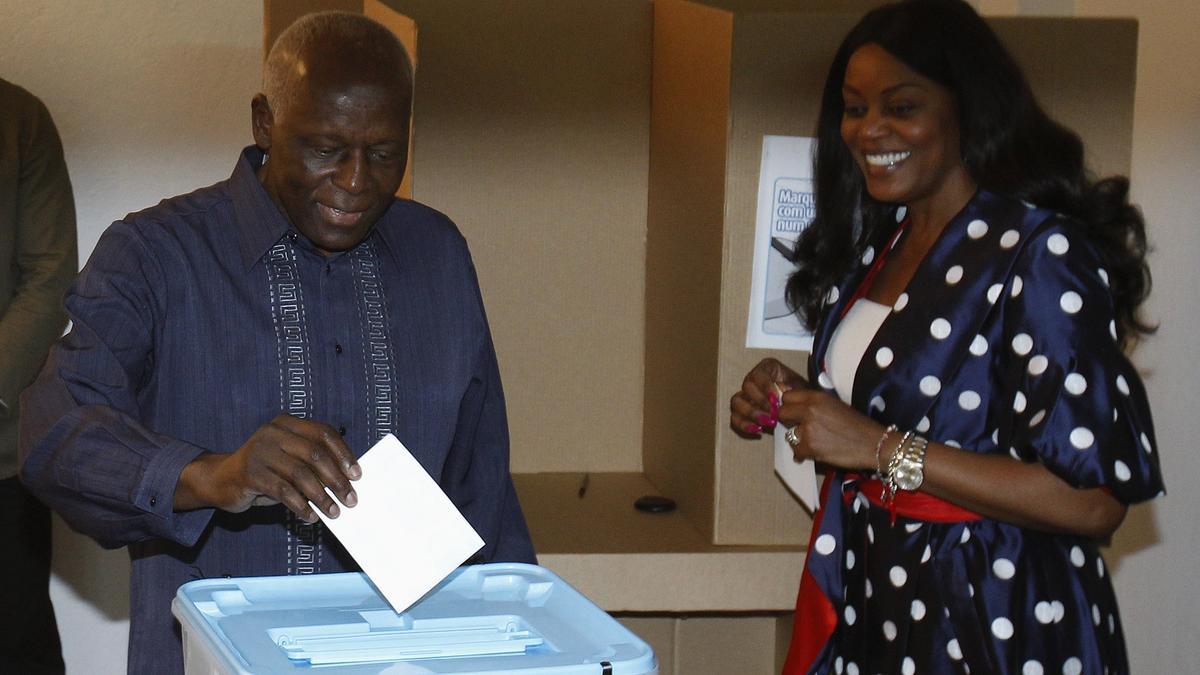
(850, 341)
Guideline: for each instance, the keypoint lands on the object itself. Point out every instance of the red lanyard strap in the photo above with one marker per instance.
(880, 260)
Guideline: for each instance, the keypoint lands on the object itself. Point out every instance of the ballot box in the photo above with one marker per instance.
(494, 618)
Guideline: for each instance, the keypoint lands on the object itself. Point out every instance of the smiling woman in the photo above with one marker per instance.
(970, 290)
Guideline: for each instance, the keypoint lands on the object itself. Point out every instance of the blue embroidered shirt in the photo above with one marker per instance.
(200, 319)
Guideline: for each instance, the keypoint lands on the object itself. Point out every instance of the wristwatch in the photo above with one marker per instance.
(909, 473)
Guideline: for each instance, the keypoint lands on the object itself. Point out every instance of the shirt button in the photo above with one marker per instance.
(342, 431)
(337, 348)
(153, 500)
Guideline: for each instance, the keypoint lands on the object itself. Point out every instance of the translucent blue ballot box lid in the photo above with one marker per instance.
(493, 619)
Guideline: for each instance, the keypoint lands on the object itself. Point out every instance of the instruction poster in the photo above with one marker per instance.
(785, 207)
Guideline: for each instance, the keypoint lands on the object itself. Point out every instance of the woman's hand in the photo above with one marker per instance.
(755, 407)
(829, 431)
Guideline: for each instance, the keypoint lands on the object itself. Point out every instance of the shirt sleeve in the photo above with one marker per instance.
(84, 450)
(1079, 406)
(45, 254)
(476, 475)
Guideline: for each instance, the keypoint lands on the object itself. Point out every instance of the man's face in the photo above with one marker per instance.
(336, 155)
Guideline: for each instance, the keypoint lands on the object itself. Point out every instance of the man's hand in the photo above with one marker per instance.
(288, 460)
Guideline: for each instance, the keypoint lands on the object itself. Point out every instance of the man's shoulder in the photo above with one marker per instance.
(413, 222)
(199, 208)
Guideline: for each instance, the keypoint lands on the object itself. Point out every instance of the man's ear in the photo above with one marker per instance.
(262, 121)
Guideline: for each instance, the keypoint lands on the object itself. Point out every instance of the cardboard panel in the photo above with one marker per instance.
(1083, 72)
(779, 67)
(722, 645)
(684, 232)
(659, 632)
(532, 125)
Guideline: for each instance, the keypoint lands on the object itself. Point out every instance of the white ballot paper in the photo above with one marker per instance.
(799, 476)
(405, 532)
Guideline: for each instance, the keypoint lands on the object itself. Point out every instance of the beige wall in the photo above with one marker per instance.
(151, 97)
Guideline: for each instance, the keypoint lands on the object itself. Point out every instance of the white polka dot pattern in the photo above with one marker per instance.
(1044, 612)
(976, 229)
(1004, 568)
(1077, 556)
(850, 615)
(868, 255)
(993, 293)
(824, 381)
(918, 610)
(1017, 285)
(897, 576)
(1122, 385)
(1009, 239)
(1075, 384)
(849, 560)
(1121, 471)
(1058, 244)
(968, 400)
(1019, 403)
(940, 329)
(877, 403)
(1072, 666)
(1032, 667)
(889, 631)
(1082, 438)
(954, 650)
(979, 345)
(883, 357)
(1103, 275)
(1070, 302)
(901, 302)
(832, 296)
(930, 385)
(909, 667)
(1022, 344)
(1146, 443)
(1038, 365)
(825, 544)
(923, 425)
(1002, 628)
(954, 274)
(1037, 418)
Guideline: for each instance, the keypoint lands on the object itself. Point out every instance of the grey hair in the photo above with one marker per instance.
(368, 41)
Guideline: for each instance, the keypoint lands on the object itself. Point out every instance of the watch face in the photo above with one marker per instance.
(908, 476)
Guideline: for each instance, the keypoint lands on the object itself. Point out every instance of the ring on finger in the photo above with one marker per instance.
(791, 437)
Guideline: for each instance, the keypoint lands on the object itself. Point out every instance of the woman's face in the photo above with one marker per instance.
(901, 128)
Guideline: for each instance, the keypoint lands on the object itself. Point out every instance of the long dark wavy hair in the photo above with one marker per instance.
(1009, 146)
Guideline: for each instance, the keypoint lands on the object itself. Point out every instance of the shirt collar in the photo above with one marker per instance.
(259, 222)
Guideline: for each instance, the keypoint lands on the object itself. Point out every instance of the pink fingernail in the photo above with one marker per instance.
(753, 428)
(764, 420)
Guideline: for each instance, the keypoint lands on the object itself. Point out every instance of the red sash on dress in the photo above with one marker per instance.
(815, 618)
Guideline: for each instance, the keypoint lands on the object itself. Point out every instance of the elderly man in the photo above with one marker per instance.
(235, 348)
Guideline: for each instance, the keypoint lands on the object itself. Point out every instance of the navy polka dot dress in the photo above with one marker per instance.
(1003, 343)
